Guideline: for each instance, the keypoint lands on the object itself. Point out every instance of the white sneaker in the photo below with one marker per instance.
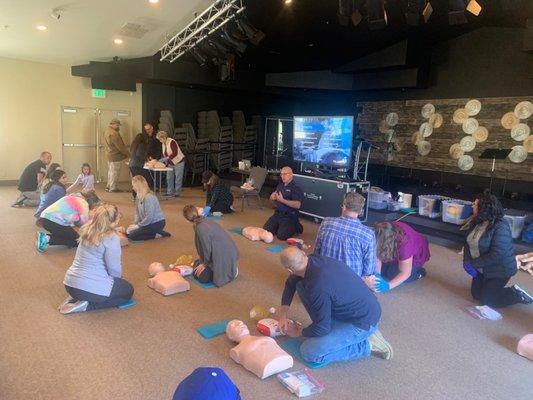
(68, 300)
(71, 308)
(379, 346)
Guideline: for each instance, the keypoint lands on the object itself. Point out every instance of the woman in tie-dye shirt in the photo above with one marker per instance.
(61, 216)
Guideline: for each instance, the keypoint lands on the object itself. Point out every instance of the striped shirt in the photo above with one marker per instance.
(348, 240)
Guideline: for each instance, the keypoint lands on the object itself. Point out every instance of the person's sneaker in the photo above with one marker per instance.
(379, 346)
(76, 307)
(19, 202)
(423, 273)
(165, 234)
(42, 241)
(232, 208)
(525, 297)
(168, 194)
(158, 236)
(68, 300)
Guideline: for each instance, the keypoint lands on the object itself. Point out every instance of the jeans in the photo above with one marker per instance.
(32, 199)
(121, 293)
(492, 291)
(283, 225)
(344, 342)
(389, 272)
(147, 232)
(60, 234)
(175, 179)
(113, 174)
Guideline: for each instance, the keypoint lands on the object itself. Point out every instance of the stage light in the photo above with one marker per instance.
(153, 1)
(226, 37)
(356, 17)
(473, 7)
(200, 57)
(345, 12)
(456, 12)
(118, 41)
(377, 16)
(416, 8)
(287, 2)
(41, 27)
(253, 34)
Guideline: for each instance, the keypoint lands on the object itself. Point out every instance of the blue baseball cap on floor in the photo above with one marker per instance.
(207, 383)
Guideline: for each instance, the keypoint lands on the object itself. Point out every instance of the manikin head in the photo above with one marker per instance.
(149, 128)
(236, 330)
(115, 124)
(294, 260)
(353, 204)
(46, 157)
(286, 175)
(266, 236)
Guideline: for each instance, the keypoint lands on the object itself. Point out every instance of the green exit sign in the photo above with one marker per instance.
(99, 93)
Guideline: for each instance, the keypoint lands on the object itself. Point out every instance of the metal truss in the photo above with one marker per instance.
(213, 18)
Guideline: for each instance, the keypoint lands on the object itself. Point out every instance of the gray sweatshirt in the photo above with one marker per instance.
(94, 267)
(148, 211)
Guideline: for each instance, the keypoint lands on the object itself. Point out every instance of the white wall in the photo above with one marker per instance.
(31, 95)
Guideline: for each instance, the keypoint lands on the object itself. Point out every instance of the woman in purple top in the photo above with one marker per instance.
(401, 255)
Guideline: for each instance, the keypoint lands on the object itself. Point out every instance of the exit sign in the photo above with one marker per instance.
(99, 93)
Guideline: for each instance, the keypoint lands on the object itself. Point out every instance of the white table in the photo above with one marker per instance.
(154, 173)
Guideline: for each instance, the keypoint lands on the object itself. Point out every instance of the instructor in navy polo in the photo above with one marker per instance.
(288, 197)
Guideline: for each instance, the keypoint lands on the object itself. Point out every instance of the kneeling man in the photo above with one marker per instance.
(288, 197)
(344, 312)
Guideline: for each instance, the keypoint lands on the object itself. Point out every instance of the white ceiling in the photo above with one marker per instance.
(86, 29)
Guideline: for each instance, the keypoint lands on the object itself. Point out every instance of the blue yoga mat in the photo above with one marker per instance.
(292, 346)
(127, 304)
(209, 285)
(277, 248)
(236, 229)
(213, 330)
(136, 241)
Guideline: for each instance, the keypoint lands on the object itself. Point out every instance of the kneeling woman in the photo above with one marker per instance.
(217, 252)
(94, 281)
(489, 255)
(401, 255)
(149, 219)
(218, 196)
(60, 218)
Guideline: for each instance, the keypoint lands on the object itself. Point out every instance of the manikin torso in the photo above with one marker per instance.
(260, 355)
(252, 233)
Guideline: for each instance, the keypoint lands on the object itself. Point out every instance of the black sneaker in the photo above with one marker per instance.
(525, 297)
(423, 273)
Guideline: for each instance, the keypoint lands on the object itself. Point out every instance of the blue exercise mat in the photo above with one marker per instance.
(136, 241)
(213, 330)
(209, 285)
(292, 346)
(236, 229)
(277, 248)
(127, 304)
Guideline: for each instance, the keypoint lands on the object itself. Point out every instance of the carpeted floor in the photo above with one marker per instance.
(440, 352)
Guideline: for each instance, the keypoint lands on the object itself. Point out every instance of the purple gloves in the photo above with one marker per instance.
(470, 270)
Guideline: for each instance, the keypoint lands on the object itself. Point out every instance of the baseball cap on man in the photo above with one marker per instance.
(207, 383)
(206, 175)
(115, 121)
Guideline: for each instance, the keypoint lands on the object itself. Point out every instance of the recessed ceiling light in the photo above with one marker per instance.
(287, 2)
(41, 27)
(153, 1)
(118, 41)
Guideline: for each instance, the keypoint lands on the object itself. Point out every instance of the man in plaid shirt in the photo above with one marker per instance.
(346, 239)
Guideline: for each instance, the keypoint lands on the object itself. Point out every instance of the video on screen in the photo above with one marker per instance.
(323, 140)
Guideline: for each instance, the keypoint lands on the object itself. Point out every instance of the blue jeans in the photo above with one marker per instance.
(344, 342)
(389, 272)
(175, 179)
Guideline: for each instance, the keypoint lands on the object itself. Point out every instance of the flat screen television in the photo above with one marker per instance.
(323, 140)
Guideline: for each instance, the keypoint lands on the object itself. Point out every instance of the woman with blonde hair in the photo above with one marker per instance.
(173, 157)
(94, 280)
(217, 252)
(149, 220)
(401, 255)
